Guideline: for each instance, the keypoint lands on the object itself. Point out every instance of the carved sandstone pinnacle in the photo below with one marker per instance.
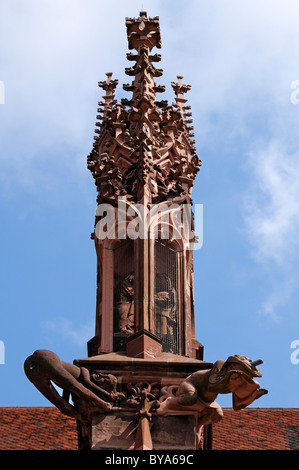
(143, 147)
(144, 381)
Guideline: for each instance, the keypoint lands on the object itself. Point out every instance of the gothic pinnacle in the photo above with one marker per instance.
(147, 141)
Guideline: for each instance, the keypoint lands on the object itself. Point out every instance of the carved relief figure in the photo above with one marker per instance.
(166, 324)
(125, 304)
(165, 304)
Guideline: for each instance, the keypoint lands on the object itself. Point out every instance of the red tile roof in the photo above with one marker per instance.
(36, 429)
(257, 429)
(45, 428)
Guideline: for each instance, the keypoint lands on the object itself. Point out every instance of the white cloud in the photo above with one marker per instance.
(272, 220)
(278, 297)
(273, 204)
(65, 330)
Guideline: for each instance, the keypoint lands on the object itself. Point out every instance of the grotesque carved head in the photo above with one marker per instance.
(107, 382)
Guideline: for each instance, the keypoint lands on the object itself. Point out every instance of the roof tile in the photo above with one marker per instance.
(45, 428)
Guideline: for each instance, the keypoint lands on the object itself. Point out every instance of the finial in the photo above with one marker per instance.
(109, 75)
(143, 31)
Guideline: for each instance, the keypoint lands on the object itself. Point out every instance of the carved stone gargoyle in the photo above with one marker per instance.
(199, 391)
(44, 367)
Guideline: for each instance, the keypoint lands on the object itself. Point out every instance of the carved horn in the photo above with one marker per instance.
(257, 362)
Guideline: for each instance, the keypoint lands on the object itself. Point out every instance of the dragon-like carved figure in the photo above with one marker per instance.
(199, 391)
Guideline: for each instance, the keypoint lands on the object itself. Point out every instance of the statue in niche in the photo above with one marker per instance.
(165, 306)
(125, 305)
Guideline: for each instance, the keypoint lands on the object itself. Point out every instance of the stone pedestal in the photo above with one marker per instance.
(142, 385)
(143, 345)
(118, 430)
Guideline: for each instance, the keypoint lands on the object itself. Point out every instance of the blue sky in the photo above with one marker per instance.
(241, 59)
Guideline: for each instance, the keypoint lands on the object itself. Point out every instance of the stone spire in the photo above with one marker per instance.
(144, 155)
(143, 146)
